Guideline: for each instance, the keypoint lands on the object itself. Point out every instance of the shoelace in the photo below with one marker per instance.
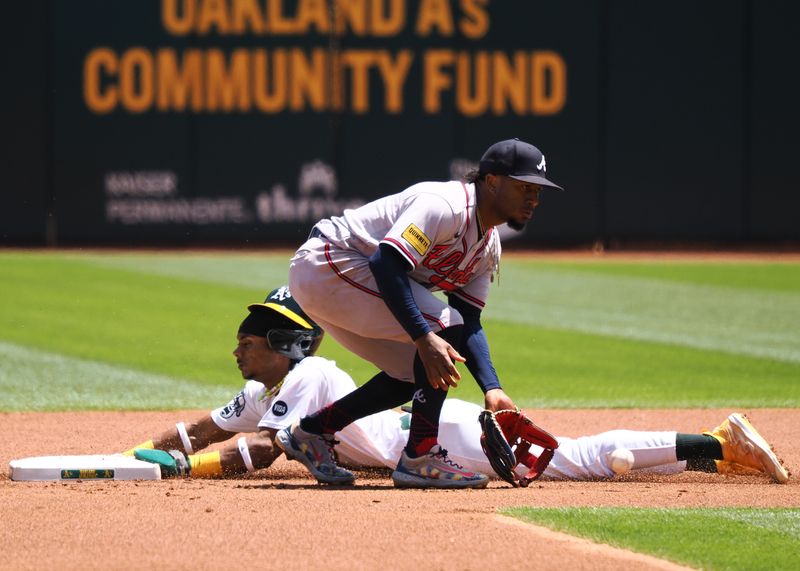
(331, 442)
(443, 453)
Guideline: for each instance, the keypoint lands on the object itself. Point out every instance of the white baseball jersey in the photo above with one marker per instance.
(433, 225)
(311, 384)
(379, 439)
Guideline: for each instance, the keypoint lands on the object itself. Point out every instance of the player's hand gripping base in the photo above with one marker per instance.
(173, 463)
(506, 441)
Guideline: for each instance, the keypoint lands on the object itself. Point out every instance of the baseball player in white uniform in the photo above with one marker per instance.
(275, 346)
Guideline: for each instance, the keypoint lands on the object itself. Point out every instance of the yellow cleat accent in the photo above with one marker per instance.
(742, 444)
(143, 446)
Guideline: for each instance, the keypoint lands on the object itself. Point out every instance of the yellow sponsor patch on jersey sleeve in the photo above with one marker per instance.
(417, 238)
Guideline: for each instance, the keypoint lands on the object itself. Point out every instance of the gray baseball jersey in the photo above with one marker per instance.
(434, 226)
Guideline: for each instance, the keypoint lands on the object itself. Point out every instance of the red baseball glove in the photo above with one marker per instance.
(506, 441)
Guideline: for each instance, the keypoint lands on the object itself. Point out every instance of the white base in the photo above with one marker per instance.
(98, 467)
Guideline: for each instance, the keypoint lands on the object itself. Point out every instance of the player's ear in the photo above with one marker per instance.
(492, 182)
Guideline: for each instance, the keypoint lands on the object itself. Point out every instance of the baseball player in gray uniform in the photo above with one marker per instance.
(275, 350)
(367, 277)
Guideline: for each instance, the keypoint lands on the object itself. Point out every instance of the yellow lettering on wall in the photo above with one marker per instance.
(313, 13)
(509, 83)
(548, 65)
(435, 80)
(336, 88)
(269, 89)
(393, 73)
(351, 15)
(228, 87)
(213, 14)
(387, 23)
(277, 23)
(178, 84)
(359, 62)
(475, 23)
(177, 16)
(275, 81)
(522, 83)
(136, 80)
(394, 76)
(307, 80)
(246, 17)
(435, 14)
(472, 89)
(98, 99)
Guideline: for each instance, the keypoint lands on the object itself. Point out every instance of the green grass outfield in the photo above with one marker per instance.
(720, 539)
(155, 331)
(137, 331)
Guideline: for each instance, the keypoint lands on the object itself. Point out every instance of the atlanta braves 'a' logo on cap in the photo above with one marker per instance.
(518, 160)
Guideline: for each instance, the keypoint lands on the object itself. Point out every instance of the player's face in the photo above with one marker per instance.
(516, 201)
(257, 361)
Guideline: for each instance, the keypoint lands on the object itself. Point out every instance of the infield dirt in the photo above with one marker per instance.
(281, 519)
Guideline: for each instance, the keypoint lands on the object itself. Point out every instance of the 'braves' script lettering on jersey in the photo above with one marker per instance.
(432, 226)
(448, 277)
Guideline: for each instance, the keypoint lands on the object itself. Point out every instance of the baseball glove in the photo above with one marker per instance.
(506, 440)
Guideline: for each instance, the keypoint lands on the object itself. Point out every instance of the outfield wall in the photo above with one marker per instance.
(239, 121)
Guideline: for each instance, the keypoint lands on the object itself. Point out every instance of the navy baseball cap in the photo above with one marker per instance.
(516, 159)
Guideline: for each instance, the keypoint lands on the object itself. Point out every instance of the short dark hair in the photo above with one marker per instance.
(474, 176)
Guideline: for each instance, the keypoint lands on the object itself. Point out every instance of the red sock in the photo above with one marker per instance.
(423, 446)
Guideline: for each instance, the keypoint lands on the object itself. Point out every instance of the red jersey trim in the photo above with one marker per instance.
(365, 289)
(468, 298)
(398, 246)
